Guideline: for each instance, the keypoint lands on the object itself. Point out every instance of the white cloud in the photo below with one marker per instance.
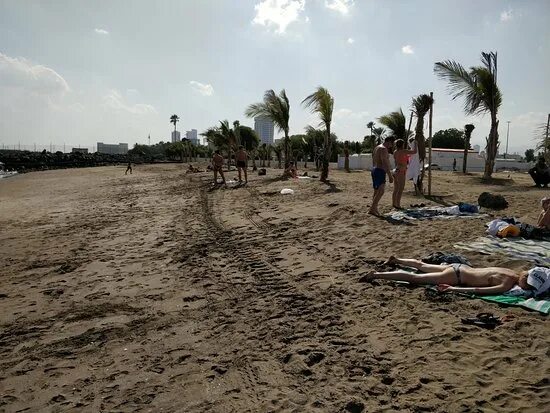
(407, 49)
(351, 40)
(346, 113)
(203, 89)
(114, 100)
(101, 31)
(278, 13)
(19, 73)
(506, 16)
(342, 6)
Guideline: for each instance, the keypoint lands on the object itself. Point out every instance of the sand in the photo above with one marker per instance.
(152, 293)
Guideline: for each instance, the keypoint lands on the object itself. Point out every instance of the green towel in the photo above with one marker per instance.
(540, 305)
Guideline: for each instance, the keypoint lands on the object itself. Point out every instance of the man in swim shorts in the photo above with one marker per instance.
(380, 168)
(241, 156)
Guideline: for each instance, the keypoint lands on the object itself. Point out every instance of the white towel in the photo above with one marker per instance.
(413, 170)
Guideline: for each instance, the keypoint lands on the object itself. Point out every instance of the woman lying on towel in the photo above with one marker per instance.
(465, 279)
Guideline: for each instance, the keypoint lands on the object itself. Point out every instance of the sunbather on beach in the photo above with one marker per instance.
(544, 216)
(291, 171)
(463, 278)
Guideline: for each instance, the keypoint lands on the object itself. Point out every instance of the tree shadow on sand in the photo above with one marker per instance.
(331, 188)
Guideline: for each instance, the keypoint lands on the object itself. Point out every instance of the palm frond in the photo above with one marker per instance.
(322, 103)
(461, 84)
(396, 122)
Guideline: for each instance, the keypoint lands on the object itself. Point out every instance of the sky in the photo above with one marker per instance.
(112, 71)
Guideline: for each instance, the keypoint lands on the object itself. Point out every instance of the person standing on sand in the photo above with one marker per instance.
(454, 165)
(401, 156)
(128, 168)
(217, 166)
(241, 157)
(380, 168)
(544, 217)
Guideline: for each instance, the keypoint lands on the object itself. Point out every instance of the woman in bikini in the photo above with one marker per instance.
(460, 277)
(401, 156)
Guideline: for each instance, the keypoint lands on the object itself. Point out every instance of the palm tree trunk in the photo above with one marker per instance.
(326, 156)
(287, 142)
(492, 148)
(465, 157)
(421, 148)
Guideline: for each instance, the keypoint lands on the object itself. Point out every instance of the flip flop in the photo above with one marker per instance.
(483, 320)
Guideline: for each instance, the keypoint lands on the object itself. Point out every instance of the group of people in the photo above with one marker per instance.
(241, 159)
(382, 169)
(452, 277)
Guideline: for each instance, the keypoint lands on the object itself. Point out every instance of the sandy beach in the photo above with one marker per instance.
(150, 292)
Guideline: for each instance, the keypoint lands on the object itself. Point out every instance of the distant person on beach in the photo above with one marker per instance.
(128, 168)
(291, 171)
(465, 279)
(454, 165)
(540, 173)
(380, 168)
(401, 156)
(241, 157)
(217, 166)
(544, 217)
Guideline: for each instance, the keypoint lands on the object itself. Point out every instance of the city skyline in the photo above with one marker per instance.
(120, 83)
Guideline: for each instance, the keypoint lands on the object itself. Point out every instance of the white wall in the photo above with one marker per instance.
(444, 160)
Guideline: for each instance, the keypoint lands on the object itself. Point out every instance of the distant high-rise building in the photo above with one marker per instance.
(176, 136)
(265, 129)
(112, 148)
(81, 150)
(192, 136)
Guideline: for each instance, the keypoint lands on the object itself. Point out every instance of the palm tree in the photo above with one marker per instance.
(278, 154)
(322, 103)
(478, 86)
(468, 129)
(346, 156)
(370, 125)
(421, 105)
(174, 119)
(268, 151)
(236, 132)
(395, 121)
(379, 134)
(277, 109)
(229, 136)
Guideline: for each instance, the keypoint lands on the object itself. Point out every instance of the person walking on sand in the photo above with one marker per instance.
(128, 168)
(217, 166)
(454, 165)
(380, 168)
(241, 157)
(462, 278)
(401, 156)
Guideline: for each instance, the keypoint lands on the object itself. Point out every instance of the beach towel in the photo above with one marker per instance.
(535, 251)
(537, 304)
(432, 213)
(413, 169)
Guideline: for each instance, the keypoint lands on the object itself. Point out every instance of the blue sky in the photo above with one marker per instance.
(114, 71)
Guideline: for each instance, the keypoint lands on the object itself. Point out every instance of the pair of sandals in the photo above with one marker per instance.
(486, 320)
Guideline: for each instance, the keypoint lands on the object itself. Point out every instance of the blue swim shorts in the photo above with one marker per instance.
(378, 177)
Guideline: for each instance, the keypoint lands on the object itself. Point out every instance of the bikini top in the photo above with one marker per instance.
(401, 159)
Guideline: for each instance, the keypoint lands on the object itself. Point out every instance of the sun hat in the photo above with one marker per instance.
(539, 279)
